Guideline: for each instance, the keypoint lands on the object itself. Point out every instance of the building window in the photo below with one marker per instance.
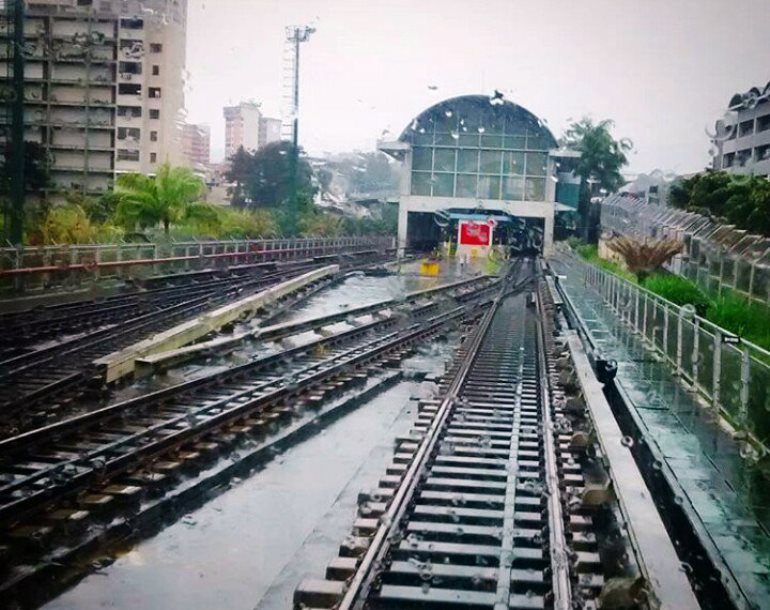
(129, 68)
(746, 128)
(156, 47)
(154, 113)
(763, 123)
(155, 92)
(153, 136)
(476, 151)
(153, 157)
(128, 155)
(131, 24)
(130, 112)
(129, 89)
(129, 133)
(156, 70)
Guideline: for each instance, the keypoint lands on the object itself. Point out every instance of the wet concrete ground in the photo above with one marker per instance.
(261, 537)
(253, 544)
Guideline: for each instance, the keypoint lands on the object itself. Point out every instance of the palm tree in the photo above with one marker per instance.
(601, 159)
(644, 256)
(164, 198)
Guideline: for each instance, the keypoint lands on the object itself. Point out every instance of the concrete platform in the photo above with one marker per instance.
(122, 363)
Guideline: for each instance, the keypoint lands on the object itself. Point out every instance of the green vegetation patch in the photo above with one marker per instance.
(678, 290)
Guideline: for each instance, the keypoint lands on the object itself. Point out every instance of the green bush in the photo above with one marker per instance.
(749, 320)
(678, 290)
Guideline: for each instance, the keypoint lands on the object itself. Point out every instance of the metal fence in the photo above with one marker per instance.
(53, 265)
(717, 257)
(732, 374)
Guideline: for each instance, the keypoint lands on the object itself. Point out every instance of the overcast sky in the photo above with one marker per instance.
(663, 70)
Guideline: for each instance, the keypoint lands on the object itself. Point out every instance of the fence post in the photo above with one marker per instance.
(696, 351)
(745, 381)
(717, 372)
(636, 310)
(679, 330)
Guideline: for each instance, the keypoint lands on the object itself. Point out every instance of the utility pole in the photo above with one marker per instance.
(16, 161)
(295, 35)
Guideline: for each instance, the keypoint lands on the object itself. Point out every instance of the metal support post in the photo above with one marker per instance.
(17, 153)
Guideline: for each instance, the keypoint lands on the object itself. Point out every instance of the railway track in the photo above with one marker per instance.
(68, 472)
(57, 374)
(497, 498)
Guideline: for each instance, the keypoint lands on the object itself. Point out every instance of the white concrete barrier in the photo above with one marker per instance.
(122, 363)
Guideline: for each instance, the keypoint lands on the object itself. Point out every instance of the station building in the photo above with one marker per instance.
(474, 160)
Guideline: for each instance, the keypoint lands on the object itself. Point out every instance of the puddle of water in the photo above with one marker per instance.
(261, 537)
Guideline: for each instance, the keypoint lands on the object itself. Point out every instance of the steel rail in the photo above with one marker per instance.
(357, 592)
(313, 373)
(558, 546)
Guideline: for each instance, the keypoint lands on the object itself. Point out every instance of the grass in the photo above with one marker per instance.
(678, 290)
(730, 311)
(748, 320)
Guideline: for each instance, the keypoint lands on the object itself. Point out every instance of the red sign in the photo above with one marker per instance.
(475, 233)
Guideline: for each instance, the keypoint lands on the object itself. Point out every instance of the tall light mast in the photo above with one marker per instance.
(295, 34)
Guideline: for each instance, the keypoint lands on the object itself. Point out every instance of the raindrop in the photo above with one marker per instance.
(627, 441)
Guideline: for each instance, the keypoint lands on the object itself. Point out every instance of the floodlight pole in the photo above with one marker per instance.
(296, 35)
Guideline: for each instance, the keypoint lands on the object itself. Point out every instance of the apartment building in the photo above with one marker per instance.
(103, 87)
(269, 131)
(742, 142)
(196, 146)
(246, 127)
(241, 127)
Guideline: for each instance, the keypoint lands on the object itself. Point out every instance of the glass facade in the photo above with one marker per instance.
(468, 147)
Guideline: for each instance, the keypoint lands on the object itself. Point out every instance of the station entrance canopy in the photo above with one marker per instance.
(475, 153)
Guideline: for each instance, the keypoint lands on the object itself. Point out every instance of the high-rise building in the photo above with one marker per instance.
(241, 127)
(269, 131)
(742, 138)
(103, 88)
(196, 144)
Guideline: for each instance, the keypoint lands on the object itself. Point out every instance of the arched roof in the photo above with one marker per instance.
(481, 113)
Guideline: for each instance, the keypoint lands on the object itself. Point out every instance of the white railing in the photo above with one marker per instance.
(731, 373)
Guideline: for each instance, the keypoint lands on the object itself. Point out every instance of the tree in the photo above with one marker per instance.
(266, 175)
(164, 198)
(642, 257)
(599, 165)
(240, 167)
